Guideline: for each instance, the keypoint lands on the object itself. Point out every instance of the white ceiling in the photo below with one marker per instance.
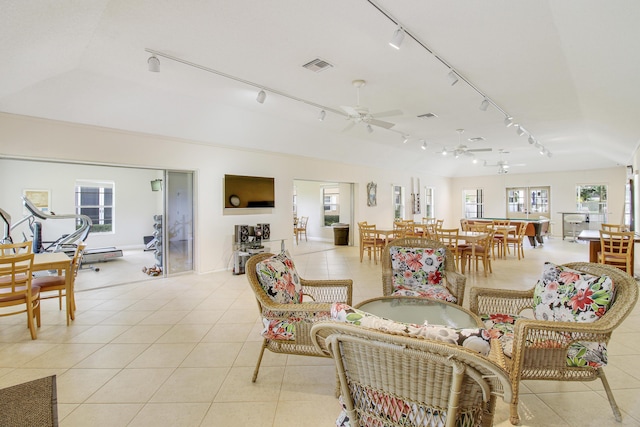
(567, 71)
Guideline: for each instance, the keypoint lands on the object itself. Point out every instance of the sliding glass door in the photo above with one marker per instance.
(178, 222)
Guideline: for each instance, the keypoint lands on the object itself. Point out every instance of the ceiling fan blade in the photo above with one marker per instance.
(381, 123)
(348, 127)
(477, 150)
(388, 113)
(350, 111)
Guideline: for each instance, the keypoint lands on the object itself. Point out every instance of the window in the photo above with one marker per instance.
(331, 205)
(95, 200)
(429, 211)
(398, 202)
(528, 200)
(473, 201)
(592, 199)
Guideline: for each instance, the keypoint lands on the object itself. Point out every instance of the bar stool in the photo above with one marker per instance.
(574, 220)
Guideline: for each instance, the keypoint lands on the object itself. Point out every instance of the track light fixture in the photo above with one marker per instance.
(396, 40)
(405, 139)
(549, 154)
(453, 77)
(424, 145)
(519, 130)
(444, 151)
(262, 95)
(508, 121)
(154, 64)
(322, 115)
(369, 129)
(542, 151)
(532, 140)
(484, 104)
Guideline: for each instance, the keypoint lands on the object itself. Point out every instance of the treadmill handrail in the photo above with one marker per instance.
(79, 234)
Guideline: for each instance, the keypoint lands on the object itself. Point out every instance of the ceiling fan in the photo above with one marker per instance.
(502, 165)
(461, 149)
(360, 114)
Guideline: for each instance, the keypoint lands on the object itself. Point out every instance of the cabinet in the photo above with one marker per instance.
(242, 251)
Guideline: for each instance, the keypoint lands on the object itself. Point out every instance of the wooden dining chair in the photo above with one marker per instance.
(301, 228)
(370, 241)
(17, 295)
(616, 249)
(612, 227)
(58, 283)
(479, 251)
(450, 237)
(516, 241)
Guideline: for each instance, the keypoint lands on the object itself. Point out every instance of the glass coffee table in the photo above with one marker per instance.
(417, 310)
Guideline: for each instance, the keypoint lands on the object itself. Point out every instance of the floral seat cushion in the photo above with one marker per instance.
(419, 272)
(279, 279)
(567, 295)
(477, 339)
(279, 328)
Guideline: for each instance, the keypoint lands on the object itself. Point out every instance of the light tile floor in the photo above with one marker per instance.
(181, 351)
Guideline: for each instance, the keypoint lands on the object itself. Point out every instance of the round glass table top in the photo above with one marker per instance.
(420, 310)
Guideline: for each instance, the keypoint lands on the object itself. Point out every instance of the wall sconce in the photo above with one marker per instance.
(156, 185)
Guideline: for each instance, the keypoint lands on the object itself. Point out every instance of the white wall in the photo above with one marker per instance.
(563, 190)
(25, 137)
(134, 204)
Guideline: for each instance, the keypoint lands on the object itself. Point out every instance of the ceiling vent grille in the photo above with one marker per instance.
(427, 116)
(317, 65)
(477, 139)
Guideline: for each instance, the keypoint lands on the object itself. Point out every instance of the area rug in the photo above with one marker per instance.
(31, 404)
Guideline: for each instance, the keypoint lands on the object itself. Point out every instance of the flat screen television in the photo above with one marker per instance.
(249, 192)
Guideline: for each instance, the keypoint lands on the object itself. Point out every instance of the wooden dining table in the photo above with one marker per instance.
(58, 261)
(386, 233)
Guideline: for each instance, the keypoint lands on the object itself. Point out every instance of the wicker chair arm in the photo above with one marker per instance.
(303, 309)
(328, 291)
(492, 301)
(530, 332)
(455, 283)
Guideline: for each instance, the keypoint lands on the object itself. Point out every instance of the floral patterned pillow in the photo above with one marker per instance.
(476, 339)
(417, 268)
(279, 278)
(567, 295)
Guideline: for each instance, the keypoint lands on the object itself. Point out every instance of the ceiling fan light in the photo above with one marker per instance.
(508, 121)
(154, 64)
(262, 95)
(484, 104)
(396, 40)
(322, 115)
(453, 77)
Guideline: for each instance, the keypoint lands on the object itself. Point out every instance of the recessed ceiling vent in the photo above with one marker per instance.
(427, 116)
(317, 65)
(477, 139)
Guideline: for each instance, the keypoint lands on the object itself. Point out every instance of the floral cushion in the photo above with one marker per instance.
(417, 267)
(419, 272)
(279, 279)
(568, 295)
(476, 339)
(578, 354)
(282, 326)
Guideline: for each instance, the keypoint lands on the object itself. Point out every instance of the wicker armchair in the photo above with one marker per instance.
(388, 379)
(454, 281)
(529, 361)
(301, 315)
